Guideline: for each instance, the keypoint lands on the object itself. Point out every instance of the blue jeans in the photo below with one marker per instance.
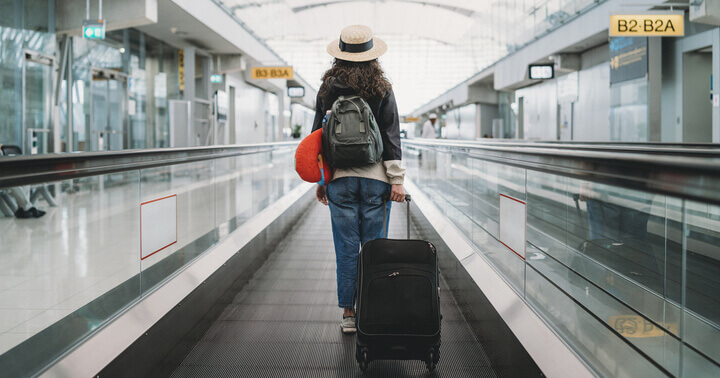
(356, 210)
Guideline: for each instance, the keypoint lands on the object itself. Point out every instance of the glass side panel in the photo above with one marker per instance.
(458, 190)
(193, 188)
(701, 320)
(65, 273)
(233, 190)
(609, 268)
(607, 353)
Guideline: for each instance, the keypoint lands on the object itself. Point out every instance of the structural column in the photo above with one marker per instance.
(189, 91)
(716, 85)
(654, 89)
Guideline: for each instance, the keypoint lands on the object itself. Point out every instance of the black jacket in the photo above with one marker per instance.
(384, 110)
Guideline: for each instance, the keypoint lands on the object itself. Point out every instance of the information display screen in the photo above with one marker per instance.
(296, 91)
(541, 71)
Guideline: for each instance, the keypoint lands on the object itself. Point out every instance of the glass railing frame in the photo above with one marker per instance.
(54, 168)
(35, 169)
(639, 168)
(573, 161)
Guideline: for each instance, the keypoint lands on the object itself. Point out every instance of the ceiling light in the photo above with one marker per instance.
(175, 31)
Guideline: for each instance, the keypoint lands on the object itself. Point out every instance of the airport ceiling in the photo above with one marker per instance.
(432, 44)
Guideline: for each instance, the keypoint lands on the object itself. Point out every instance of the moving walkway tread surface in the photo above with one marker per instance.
(285, 322)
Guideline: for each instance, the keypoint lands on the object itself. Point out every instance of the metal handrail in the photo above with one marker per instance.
(36, 169)
(695, 149)
(691, 174)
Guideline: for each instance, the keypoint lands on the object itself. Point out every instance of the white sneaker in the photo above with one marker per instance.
(348, 324)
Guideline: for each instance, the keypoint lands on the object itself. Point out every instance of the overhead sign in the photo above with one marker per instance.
(647, 25)
(93, 29)
(541, 71)
(216, 78)
(181, 70)
(272, 73)
(628, 58)
(412, 119)
(296, 91)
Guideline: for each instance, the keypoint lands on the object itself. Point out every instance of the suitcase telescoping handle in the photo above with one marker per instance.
(386, 198)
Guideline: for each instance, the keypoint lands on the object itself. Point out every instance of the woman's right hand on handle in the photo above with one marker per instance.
(321, 195)
(397, 193)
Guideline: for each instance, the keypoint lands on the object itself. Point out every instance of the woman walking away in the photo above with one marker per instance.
(355, 194)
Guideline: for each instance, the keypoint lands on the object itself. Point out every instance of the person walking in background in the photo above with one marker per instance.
(355, 194)
(428, 130)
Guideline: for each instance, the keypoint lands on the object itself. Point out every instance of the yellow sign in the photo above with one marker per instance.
(637, 326)
(272, 73)
(647, 25)
(181, 69)
(411, 119)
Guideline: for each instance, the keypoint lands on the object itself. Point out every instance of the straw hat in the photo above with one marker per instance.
(356, 44)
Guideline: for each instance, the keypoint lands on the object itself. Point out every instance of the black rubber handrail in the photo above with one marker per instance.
(36, 169)
(691, 173)
(686, 174)
(682, 149)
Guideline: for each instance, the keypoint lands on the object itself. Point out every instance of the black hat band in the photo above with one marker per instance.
(356, 47)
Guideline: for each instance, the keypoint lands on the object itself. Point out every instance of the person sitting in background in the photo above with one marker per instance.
(15, 198)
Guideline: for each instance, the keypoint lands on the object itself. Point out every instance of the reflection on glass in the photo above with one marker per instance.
(618, 236)
(605, 265)
(629, 111)
(193, 184)
(65, 274)
(702, 268)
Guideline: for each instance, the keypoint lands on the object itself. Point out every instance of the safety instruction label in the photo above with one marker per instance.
(637, 326)
(158, 225)
(513, 223)
(647, 25)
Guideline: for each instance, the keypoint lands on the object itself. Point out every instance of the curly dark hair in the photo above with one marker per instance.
(367, 79)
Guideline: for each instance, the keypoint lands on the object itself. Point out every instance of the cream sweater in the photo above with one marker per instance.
(389, 171)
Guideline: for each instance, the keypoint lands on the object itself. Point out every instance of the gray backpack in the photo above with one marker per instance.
(350, 136)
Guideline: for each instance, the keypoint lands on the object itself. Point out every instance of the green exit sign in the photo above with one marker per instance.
(93, 29)
(216, 78)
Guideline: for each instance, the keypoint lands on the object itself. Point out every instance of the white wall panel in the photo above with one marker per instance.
(591, 118)
(467, 127)
(250, 105)
(540, 110)
(487, 114)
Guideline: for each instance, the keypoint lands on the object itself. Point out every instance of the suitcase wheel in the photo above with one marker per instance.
(363, 359)
(431, 360)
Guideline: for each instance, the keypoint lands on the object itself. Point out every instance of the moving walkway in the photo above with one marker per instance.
(615, 278)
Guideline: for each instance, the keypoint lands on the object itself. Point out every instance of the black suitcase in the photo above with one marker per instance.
(398, 301)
